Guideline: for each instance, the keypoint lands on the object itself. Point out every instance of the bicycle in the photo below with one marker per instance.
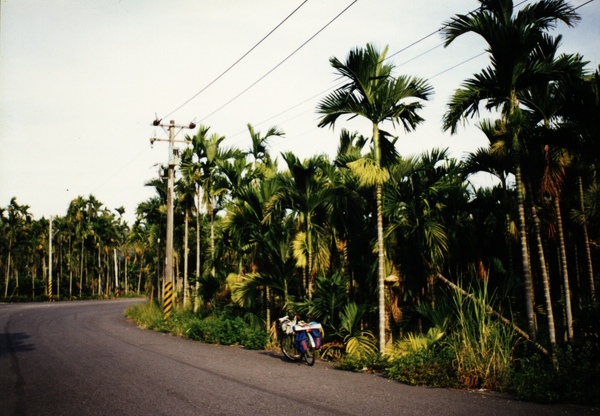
(288, 330)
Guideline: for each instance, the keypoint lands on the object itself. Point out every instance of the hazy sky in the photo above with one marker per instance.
(82, 80)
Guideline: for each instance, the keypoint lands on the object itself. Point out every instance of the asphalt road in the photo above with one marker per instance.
(85, 358)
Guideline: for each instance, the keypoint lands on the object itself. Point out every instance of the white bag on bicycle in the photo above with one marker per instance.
(287, 327)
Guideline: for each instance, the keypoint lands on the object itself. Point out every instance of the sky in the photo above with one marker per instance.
(82, 80)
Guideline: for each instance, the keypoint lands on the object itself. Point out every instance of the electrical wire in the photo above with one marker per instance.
(238, 61)
(280, 63)
(403, 63)
(436, 31)
(457, 65)
(418, 41)
(388, 57)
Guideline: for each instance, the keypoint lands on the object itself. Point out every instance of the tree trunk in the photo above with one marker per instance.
(586, 239)
(309, 266)
(6, 279)
(268, 307)
(107, 293)
(139, 285)
(125, 274)
(545, 278)
(380, 242)
(116, 272)
(212, 236)
(197, 288)
(59, 262)
(565, 270)
(525, 255)
(185, 259)
(70, 269)
(82, 257)
(99, 273)
(381, 267)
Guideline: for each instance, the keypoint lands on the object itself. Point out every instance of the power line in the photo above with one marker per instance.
(457, 65)
(436, 31)
(280, 63)
(403, 63)
(418, 41)
(238, 61)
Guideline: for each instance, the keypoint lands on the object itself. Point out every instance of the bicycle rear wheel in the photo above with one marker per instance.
(288, 347)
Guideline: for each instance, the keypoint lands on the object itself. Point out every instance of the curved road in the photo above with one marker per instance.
(85, 358)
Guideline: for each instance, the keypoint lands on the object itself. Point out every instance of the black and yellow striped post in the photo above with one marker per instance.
(167, 300)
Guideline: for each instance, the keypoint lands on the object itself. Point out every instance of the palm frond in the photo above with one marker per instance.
(368, 172)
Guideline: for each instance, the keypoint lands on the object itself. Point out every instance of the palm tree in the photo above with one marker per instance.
(349, 206)
(513, 40)
(18, 218)
(305, 190)
(186, 189)
(582, 105)
(371, 91)
(191, 169)
(259, 150)
(77, 217)
(425, 198)
(546, 106)
(152, 213)
(203, 165)
(258, 242)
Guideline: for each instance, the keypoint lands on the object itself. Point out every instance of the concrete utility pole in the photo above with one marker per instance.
(50, 261)
(173, 160)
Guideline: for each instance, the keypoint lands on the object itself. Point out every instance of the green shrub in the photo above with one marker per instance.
(226, 331)
(194, 332)
(361, 363)
(351, 363)
(254, 339)
(213, 330)
(424, 367)
(580, 372)
(534, 379)
(573, 378)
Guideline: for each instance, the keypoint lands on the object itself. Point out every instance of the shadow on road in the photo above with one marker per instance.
(279, 356)
(15, 342)
(276, 355)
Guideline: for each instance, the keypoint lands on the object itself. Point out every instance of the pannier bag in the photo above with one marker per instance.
(318, 338)
(301, 341)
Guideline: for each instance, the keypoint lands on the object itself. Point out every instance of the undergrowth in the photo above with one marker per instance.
(217, 329)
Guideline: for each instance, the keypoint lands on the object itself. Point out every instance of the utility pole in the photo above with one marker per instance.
(50, 261)
(168, 298)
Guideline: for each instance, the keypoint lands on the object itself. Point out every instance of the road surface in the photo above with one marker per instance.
(86, 358)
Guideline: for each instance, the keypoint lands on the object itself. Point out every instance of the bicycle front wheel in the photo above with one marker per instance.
(288, 347)
(309, 355)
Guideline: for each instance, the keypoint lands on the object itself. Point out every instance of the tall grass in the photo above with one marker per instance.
(482, 346)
